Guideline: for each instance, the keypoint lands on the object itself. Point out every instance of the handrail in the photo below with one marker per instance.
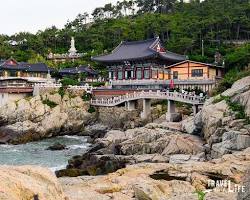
(175, 96)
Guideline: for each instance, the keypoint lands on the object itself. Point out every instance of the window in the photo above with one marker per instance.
(175, 75)
(111, 75)
(120, 77)
(12, 73)
(197, 72)
(146, 74)
(139, 73)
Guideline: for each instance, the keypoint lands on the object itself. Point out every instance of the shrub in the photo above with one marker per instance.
(229, 79)
(61, 91)
(97, 84)
(221, 98)
(49, 103)
(86, 97)
(91, 109)
(69, 81)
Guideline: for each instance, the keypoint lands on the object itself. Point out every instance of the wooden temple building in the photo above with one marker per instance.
(139, 60)
(148, 65)
(12, 69)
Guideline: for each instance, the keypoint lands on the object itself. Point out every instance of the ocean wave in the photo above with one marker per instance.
(74, 137)
(53, 169)
(78, 146)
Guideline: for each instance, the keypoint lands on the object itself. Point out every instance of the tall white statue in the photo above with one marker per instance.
(72, 50)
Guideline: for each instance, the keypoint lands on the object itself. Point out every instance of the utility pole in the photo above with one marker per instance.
(202, 47)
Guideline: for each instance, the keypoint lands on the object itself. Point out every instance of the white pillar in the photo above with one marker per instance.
(131, 105)
(171, 115)
(126, 74)
(146, 108)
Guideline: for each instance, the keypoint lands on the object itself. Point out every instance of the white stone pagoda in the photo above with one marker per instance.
(72, 54)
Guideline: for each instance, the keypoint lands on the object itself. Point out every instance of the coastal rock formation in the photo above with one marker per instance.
(29, 182)
(152, 143)
(221, 121)
(160, 181)
(43, 116)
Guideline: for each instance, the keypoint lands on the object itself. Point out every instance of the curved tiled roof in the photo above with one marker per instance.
(77, 70)
(137, 50)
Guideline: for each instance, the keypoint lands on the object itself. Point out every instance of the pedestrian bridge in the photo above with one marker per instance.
(130, 99)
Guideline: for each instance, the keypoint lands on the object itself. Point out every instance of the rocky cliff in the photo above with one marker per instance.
(224, 120)
(43, 116)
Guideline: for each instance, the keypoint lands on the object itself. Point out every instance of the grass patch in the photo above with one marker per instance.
(234, 106)
(221, 98)
(49, 103)
(201, 195)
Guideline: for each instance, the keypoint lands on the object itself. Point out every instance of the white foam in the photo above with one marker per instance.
(78, 146)
(53, 169)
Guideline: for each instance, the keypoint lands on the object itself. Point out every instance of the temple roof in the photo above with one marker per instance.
(196, 62)
(12, 64)
(77, 70)
(138, 50)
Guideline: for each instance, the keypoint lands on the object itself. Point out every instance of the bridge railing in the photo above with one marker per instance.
(157, 95)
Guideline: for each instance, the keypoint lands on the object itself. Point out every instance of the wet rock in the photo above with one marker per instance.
(95, 131)
(57, 147)
(90, 164)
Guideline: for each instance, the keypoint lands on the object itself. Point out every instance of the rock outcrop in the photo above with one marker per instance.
(160, 181)
(29, 182)
(222, 125)
(152, 143)
(43, 116)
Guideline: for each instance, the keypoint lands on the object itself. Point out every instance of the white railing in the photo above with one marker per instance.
(86, 87)
(157, 81)
(48, 85)
(175, 96)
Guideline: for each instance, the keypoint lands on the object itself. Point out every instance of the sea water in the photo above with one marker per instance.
(35, 153)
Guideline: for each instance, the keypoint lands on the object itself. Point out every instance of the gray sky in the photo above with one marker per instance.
(34, 15)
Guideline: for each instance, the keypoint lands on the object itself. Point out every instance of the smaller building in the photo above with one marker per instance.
(11, 68)
(192, 70)
(71, 56)
(87, 73)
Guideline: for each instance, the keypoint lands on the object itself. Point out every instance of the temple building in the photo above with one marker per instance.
(148, 65)
(71, 56)
(83, 72)
(12, 69)
(139, 60)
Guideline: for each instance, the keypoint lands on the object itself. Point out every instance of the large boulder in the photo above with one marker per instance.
(29, 182)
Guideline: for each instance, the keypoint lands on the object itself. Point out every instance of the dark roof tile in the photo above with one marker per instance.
(131, 51)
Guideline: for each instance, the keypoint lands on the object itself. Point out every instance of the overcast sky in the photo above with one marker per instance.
(34, 15)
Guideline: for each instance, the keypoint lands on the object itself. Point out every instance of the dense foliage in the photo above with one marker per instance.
(181, 26)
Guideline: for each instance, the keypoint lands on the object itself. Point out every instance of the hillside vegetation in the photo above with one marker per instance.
(181, 26)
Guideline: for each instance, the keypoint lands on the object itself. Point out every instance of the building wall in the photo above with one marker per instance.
(185, 71)
(24, 74)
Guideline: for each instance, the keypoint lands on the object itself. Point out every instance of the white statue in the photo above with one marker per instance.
(72, 50)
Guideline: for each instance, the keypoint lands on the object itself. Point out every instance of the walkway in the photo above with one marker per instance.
(174, 96)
